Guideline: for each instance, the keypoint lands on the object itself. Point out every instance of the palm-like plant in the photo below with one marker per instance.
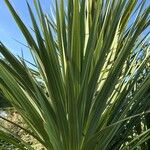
(89, 61)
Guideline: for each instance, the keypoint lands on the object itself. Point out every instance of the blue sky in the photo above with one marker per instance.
(9, 30)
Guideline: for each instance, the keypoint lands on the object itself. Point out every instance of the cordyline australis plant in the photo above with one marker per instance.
(90, 90)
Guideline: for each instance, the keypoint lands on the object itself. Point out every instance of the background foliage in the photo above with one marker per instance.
(14, 117)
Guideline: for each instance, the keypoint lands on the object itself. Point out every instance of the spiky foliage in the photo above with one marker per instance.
(3, 102)
(90, 59)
